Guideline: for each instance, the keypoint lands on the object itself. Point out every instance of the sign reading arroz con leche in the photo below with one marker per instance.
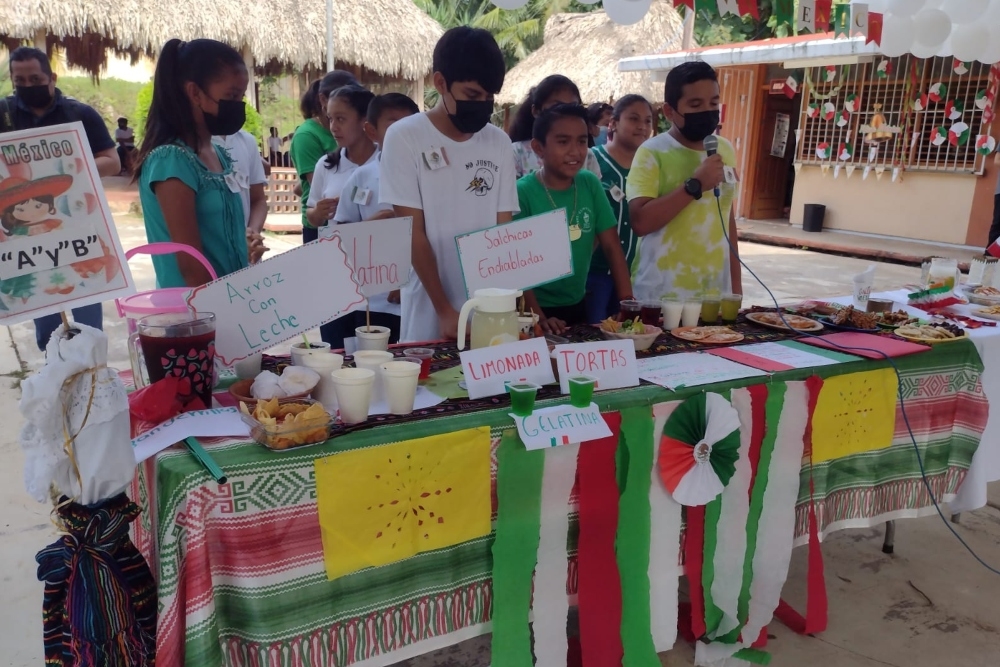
(378, 251)
(278, 299)
(59, 247)
(518, 255)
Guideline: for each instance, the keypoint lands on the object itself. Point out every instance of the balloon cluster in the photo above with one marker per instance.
(966, 29)
(623, 12)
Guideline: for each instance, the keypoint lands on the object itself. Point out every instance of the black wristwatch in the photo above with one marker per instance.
(692, 186)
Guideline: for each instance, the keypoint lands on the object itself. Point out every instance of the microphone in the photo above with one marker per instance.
(711, 144)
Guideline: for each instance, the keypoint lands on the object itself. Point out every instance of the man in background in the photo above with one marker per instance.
(37, 102)
(125, 138)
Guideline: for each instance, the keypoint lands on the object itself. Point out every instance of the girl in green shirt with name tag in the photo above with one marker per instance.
(560, 138)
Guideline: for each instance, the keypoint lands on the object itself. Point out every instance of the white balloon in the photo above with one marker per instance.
(931, 27)
(904, 7)
(919, 50)
(965, 11)
(509, 4)
(969, 40)
(991, 54)
(897, 35)
(626, 12)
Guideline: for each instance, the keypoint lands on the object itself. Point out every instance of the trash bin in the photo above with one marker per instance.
(812, 218)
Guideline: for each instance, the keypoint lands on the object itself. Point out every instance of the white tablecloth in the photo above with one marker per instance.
(985, 466)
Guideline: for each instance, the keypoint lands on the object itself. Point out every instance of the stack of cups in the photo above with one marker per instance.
(354, 393)
(372, 360)
(324, 364)
(399, 382)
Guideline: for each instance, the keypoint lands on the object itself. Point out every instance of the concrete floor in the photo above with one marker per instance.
(929, 605)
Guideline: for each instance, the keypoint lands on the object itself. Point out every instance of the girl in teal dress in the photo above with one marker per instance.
(187, 187)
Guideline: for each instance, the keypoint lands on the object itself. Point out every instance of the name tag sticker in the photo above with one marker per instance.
(616, 193)
(362, 196)
(730, 175)
(435, 158)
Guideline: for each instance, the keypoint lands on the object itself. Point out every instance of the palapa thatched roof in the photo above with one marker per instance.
(587, 48)
(387, 37)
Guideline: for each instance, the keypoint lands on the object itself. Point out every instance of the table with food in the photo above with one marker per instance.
(377, 512)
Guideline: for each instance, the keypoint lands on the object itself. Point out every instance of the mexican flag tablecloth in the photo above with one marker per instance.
(386, 543)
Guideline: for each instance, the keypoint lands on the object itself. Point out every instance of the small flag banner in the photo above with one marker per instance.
(564, 440)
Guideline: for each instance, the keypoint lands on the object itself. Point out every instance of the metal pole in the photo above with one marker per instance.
(330, 60)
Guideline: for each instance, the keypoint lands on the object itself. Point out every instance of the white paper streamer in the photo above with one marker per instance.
(664, 545)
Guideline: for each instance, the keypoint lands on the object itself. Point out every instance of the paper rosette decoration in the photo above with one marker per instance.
(937, 92)
(829, 111)
(699, 449)
(846, 151)
(983, 99)
(884, 69)
(852, 103)
(953, 109)
(829, 73)
(958, 134)
(985, 144)
(961, 67)
(812, 111)
(920, 102)
(939, 135)
(843, 118)
(823, 150)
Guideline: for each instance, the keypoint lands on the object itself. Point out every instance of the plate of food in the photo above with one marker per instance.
(983, 295)
(932, 334)
(708, 335)
(988, 313)
(850, 318)
(641, 335)
(814, 308)
(894, 320)
(287, 424)
(785, 322)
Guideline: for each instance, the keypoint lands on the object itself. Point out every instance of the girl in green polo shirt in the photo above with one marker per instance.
(560, 139)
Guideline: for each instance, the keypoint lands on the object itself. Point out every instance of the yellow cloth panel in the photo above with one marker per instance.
(382, 504)
(855, 413)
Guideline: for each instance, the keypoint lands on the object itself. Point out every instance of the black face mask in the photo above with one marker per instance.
(471, 116)
(36, 97)
(699, 124)
(232, 114)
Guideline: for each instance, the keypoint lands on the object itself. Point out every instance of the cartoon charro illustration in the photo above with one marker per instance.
(27, 207)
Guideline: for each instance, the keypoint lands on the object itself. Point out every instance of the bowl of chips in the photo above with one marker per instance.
(281, 424)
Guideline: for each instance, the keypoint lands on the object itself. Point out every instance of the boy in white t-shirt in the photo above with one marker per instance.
(453, 173)
(359, 200)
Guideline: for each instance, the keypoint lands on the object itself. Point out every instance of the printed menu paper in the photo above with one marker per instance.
(561, 425)
(275, 300)
(196, 424)
(377, 250)
(487, 368)
(59, 248)
(612, 362)
(692, 369)
(782, 356)
(517, 255)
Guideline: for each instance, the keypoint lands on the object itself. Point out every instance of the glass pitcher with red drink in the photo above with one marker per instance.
(181, 345)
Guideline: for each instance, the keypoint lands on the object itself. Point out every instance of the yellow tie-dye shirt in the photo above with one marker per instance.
(689, 256)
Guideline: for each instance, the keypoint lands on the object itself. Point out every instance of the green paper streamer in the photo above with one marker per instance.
(754, 656)
(713, 511)
(515, 549)
(632, 542)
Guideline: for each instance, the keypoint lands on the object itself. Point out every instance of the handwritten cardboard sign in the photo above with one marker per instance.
(276, 300)
(612, 362)
(59, 248)
(214, 423)
(377, 250)
(518, 255)
(561, 425)
(487, 368)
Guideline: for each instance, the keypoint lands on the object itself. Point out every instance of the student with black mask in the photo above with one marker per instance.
(676, 192)
(37, 102)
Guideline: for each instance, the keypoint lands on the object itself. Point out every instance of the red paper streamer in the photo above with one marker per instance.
(816, 602)
(694, 556)
(685, 3)
(600, 590)
(758, 405)
(874, 28)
